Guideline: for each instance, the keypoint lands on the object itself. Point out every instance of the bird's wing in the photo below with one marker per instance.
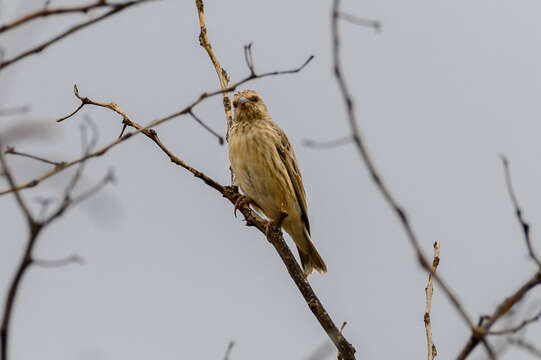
(285, 150)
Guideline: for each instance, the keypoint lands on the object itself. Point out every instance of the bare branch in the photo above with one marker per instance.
(525, 345)
(28, 259)
(228, 350)
(327, 144)
(222, 74)
(432, 352)
(503, 308)
(518, 211)
(11, 150)
(376, 177)
(373, 24)
(518, 327)
(13, 188)
(15, 110)
(73, 259)
(46, 12)
(115, 8)
(206, 127)
(249, 58)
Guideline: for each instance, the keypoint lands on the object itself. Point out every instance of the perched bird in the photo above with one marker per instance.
(265, 168)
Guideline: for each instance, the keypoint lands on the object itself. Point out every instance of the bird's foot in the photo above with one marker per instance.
(277, 223)
(241, 202)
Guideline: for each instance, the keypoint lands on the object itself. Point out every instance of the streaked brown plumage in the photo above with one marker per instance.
(265, 168)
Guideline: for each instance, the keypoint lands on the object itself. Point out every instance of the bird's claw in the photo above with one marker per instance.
(241, 202)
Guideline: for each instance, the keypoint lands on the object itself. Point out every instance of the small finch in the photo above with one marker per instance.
(265, 168)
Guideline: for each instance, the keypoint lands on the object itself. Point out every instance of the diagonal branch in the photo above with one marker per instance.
(116, 8)
(526, 346)
(345, 349)
(376, 177)
(46, 12)
(14, 188)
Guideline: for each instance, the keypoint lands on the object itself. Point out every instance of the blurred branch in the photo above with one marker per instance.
(73, 259)
(432, 352)
(115, 8)
(13, 188)
(15, 110)
(11, 150)
(34, 229)
(373, 24)
(206, 127)
(45, 12)
(248, 57)
(327, 144)
(518, 327)
(479, 333)
(376, 177)
(505, 306)
(146, 130)
(228, 350)
(525, 345)
(518, 211)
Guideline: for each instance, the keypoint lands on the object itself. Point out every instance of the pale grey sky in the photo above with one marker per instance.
(171, 274)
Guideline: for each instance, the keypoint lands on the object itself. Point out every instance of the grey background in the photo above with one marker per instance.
(171, 274)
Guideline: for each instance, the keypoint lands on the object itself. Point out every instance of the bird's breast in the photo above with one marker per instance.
(259, 171)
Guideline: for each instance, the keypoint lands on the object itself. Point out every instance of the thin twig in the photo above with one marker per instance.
(249, 58)
(206, 127)
(222, 74)
(73, 259)
(11, 150)
(518, 211)
(431, 348)
(327, 144)
(518, 327)
(525, 345)
(373, 24)
(15, 110)
(45, 12)
(115, 8)
(14, 188)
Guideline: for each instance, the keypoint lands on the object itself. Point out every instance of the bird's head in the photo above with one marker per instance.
(249, 106)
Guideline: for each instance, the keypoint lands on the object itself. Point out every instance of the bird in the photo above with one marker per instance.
(265, 168)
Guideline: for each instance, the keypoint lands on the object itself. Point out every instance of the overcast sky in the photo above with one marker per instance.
(170, 273)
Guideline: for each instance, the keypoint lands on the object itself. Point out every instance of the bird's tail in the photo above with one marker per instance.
(310, 259)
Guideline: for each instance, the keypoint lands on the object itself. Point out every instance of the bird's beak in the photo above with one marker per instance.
(243, 100)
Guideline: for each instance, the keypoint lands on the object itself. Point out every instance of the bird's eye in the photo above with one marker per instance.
(235, 103)
(254, 99)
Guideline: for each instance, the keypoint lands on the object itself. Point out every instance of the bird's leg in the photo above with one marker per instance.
(241, 202)
(276, 223)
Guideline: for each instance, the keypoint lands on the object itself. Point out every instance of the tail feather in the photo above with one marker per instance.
(310, 259)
